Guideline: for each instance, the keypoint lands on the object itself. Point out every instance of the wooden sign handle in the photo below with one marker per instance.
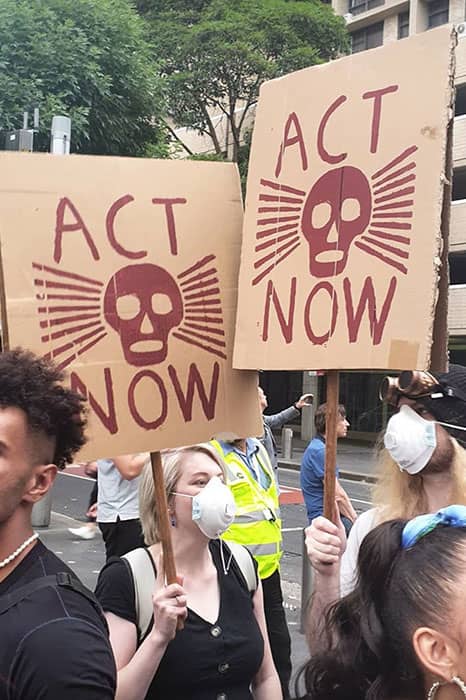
(331, 419)
(161, 506)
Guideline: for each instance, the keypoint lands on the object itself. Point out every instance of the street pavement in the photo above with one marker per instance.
(86, 557)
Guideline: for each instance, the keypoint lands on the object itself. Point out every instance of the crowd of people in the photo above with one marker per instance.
(386, 620)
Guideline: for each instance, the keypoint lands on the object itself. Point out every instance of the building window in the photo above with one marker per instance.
(358, 6)
(457, 263)
(460, 101)
(457, 349)
(459, 184)
(367, 38)
(403, 25)
(437, 13)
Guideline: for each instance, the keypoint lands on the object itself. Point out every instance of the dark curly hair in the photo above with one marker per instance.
(34, 385)
(369, 652)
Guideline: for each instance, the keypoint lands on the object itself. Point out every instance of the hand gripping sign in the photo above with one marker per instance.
(341, 246)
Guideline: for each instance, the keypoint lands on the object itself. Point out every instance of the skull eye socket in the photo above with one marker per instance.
(350, 209)
(322, 215)
(128, 307)
(161, 303)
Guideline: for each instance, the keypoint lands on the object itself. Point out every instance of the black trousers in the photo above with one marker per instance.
(121, 537)
(277, 628)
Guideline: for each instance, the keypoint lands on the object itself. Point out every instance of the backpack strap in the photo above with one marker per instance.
(143, 577)
(245, 562)
(63, 579)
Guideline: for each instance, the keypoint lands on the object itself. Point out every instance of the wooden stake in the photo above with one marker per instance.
(161, 506)
(331, 419)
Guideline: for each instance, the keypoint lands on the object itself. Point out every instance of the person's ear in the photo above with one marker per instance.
(437, 653)
(40, 482)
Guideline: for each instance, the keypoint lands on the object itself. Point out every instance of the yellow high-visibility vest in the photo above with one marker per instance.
(257, 523)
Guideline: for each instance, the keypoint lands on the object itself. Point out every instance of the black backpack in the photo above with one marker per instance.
(63, 579)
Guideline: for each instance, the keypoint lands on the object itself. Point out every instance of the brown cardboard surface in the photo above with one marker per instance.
(341, 245)
(125, 272)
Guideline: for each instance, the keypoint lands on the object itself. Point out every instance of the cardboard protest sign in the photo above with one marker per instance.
(124, 271)
(342, 232)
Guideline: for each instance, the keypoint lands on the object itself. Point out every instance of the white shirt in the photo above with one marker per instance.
(349, 561)
(117, 497)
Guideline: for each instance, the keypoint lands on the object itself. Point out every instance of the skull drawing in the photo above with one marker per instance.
(337, 210)
(143, 304)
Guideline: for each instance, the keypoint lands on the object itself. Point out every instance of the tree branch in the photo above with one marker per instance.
(177, 138)
(211, 128)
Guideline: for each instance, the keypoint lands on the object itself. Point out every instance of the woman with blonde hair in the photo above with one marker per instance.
(223, 650)
(421, 469)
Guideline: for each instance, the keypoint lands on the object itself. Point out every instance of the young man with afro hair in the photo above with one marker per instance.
(54, 642)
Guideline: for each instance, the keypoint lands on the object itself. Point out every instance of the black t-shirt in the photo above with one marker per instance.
(204, 661)
(53, 643)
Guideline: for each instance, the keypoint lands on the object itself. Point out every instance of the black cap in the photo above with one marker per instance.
(448, 403)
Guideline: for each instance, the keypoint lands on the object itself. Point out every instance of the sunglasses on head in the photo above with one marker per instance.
(411, 384)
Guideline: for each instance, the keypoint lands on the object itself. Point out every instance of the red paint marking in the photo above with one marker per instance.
(195, 278)
(390, 236)
(395, 174)
(273, 198)
(289, 495)
(257, 279)
(206, 302)
(207, 293)
(282, 188)
(206, 329)
(395, 161)
(197, 266)
(199, 345)
(395, 183)
(274, 231)
(366, 249)
(202, 284)
(268, 257)
(264, 210)
(63, 273)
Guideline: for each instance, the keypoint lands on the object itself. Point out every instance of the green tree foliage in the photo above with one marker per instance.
(89, 60)
(216, 53)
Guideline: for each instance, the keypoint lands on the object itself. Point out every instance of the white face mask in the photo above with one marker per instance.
(410, 440)
(214, 508)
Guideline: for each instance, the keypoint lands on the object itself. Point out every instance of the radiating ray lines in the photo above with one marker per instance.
(282, 216)
(391, 212)
(74, 315)
(202, 324)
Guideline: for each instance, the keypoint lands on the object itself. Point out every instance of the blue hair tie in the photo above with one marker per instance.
(453, 516)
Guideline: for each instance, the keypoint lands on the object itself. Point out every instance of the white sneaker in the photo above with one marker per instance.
(84, 533)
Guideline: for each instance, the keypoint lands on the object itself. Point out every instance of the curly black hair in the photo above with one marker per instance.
(34, 385)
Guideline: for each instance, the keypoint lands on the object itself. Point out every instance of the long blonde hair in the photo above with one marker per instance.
(397, 494)
(172, 465)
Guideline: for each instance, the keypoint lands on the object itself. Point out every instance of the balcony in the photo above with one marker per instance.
(457, 239)
(457, 310)
(356, 7)
(363, 13)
